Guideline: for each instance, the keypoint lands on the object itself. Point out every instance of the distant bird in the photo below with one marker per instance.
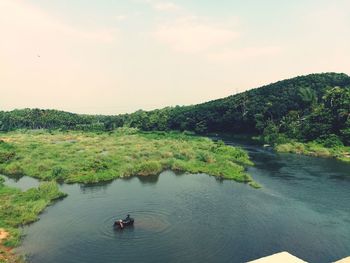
(38, 56)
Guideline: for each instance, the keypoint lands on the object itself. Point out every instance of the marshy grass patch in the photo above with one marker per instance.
(316, 149)
(88, 157)
(18, 208)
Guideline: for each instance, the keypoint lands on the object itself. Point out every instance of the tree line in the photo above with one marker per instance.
(304, 108)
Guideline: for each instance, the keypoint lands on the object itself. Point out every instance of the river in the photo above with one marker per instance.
(303, 207)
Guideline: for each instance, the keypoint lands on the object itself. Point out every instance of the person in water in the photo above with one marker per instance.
(127, 218)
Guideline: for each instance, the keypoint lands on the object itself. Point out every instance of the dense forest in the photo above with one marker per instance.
(304, 108)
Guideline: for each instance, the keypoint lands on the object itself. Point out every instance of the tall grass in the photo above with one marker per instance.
(88, 157)
(19, 208)
(315, 149)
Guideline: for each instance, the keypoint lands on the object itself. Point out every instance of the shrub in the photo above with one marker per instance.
(58, 173)
(13, 169)
(205, 157)
(98, 165)
(271, 132)
(127, 130)
(331, 141)
(149, 168)
(6, 156)
(7, 152)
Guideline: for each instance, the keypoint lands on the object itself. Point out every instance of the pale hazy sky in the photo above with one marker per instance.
(116, 56)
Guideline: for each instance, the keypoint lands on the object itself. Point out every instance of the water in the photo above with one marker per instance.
(23, 183)
(303, 208)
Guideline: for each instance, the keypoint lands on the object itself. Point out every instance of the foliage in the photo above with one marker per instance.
(18, 208)
(6, 152)
(149, 168)
(271, 132)
(316, 149)
(307, 95)
(303, 108)
(330, 141)
(88, 157)
(53, 119)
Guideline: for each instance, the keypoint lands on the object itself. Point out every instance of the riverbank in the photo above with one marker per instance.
(86, 157)
(81, 157)
(341, 153)
(19, 208)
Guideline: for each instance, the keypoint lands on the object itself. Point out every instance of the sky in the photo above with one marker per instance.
(118, 56)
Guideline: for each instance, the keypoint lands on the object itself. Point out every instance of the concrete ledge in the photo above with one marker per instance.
(284, 257)
(344, 260)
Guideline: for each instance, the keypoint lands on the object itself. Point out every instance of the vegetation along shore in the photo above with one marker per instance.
(312, 108)
(305, 115)
(90, 157)
(317, 149)
(18, 208)
(87, 157)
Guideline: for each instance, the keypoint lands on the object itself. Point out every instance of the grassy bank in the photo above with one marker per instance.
(85, 157)
(19, 208)
(315, 149)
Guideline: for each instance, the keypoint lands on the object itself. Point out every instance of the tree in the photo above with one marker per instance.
(308, 96)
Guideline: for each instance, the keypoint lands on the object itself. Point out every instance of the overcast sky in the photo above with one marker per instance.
(116, 56)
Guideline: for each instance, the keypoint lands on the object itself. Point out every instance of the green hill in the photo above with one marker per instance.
(303, 108)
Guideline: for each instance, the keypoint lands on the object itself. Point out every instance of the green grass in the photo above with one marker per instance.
(86, 157)
(18, 208)
(315, 149)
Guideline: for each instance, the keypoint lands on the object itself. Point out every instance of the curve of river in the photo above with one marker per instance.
(303, 208)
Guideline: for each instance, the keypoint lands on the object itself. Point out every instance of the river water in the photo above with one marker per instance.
(303, 207)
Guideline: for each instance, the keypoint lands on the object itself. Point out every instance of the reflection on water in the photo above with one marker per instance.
(303, 208)
(94, 188)
(148, 179)
(24, 182)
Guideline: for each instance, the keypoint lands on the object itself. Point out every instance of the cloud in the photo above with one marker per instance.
(190, 35)
(166, 6)
(120, 17)
(212, 40)
(332, 16)
(18, 19)
(42, 58)
(244, 53)
(161, 6)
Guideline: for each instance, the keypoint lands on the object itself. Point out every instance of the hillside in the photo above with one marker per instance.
(303, 108)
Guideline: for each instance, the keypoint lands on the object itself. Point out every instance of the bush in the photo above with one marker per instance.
(282, 138)
(127, 130)
(271, 133)
(13, 169)
(58, 173)
(98, 165)
(149, 168)
(7, 152)
(205, 157)
(331, 141)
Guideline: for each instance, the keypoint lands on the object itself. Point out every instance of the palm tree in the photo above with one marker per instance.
(307, 95)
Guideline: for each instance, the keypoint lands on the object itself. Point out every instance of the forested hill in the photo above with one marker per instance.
(54, 119)
(303, 108)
